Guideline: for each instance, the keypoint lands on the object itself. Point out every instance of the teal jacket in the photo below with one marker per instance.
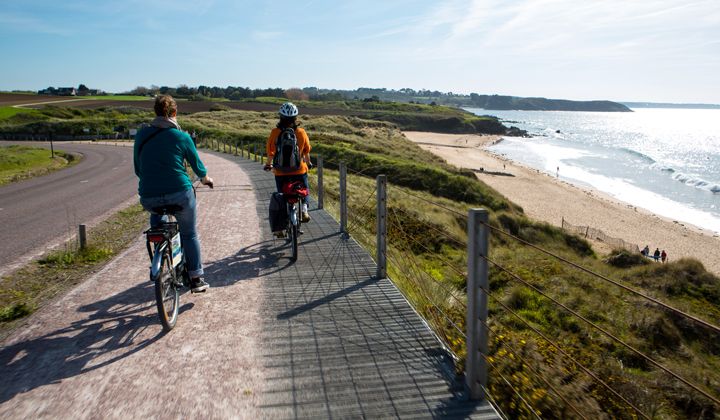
(160, 165)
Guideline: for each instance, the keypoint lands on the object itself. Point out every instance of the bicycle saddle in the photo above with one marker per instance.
(167, 209)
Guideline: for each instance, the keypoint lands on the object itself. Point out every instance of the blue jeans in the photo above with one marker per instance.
(280, 180)
(186, 221)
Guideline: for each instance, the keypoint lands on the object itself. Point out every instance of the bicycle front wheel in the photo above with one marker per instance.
(167, 295)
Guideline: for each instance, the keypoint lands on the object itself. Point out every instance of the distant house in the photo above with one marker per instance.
(66, 91)
(63, 91)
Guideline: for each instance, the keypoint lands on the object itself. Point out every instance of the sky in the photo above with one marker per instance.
(621, 50)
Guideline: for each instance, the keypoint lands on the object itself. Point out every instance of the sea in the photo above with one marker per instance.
(665, 160)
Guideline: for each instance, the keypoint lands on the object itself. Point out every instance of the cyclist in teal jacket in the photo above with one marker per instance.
(159, 154)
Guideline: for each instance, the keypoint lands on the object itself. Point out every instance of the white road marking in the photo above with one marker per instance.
(84, 181)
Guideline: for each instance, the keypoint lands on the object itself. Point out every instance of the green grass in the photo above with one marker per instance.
(22, 162)
(9, 111)
(29, 288)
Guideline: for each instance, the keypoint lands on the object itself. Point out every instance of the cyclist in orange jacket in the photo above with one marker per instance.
(285, 172)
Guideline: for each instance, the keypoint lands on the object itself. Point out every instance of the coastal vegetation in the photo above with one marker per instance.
(406, 95)
(539, 350)
(427, 258)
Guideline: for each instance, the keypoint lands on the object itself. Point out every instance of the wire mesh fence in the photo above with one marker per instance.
(588, 232)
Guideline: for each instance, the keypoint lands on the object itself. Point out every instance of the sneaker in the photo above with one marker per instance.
(305, 215)
(279, 234)
(198, 285)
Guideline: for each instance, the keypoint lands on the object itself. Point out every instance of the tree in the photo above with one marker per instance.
(139, 91)
(296, 94)
(82, 89)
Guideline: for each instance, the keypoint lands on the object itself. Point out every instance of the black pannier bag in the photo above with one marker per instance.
(277, 212)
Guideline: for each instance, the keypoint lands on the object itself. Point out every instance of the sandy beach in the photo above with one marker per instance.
(546, 198)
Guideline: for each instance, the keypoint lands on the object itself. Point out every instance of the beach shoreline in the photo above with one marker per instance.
(549, 199)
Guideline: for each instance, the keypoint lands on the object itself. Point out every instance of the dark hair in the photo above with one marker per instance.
(165, 106)
(286, 122)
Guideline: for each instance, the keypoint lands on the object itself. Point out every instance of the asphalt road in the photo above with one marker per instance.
(44, 211)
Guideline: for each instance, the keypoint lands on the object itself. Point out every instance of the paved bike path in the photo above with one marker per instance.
(321, 338)
(99, 352)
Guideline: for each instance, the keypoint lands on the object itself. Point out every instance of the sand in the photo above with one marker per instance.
(547, 198)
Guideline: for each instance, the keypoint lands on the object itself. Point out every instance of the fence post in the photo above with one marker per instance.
(477, 309)
(255, 152)
(343, 198)
(82, 237)
(236, 149)
(242, 149)
(381, 227)
(321, 189)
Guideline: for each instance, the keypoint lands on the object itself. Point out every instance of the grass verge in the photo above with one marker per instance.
(39, 282)
(23, 162)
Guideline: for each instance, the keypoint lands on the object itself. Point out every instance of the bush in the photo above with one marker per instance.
(624, 259)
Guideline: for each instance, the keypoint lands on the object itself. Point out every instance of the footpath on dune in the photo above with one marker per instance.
(100, 352)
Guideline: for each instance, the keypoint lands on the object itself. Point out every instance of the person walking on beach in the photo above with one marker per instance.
(663, 256)
(656, 254)
(646, 251)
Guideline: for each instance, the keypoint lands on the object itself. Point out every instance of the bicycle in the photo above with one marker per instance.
(293, 193)
(168, 270)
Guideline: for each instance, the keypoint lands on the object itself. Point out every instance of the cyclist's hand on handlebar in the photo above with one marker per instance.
(310, 165)
(206, 180)
(267, 167)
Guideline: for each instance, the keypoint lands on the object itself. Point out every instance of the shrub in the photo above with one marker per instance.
(624, 259)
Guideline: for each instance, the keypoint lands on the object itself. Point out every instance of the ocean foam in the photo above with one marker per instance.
(625, 191)
(697, 182)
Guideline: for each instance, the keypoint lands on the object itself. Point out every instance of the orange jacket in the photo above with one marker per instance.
(303, 147)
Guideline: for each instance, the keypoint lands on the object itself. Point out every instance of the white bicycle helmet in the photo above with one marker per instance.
(288, 109)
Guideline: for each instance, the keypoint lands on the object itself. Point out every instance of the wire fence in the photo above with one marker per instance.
(588, 232)
(435, 293)
(538, 369)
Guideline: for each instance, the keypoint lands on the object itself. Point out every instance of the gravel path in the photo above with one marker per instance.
(99, 352)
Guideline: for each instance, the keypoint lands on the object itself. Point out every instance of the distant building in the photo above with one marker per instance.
(63, 91)
(66, 91)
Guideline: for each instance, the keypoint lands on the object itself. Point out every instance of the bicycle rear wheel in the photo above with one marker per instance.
(295, 231)
(167, 295)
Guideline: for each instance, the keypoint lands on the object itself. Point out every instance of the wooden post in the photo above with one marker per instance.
(381, 223)
(321, 189)
(477, 308)
(343, 198)
(82, 237)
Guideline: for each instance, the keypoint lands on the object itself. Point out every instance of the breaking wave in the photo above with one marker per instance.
(697, 182)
